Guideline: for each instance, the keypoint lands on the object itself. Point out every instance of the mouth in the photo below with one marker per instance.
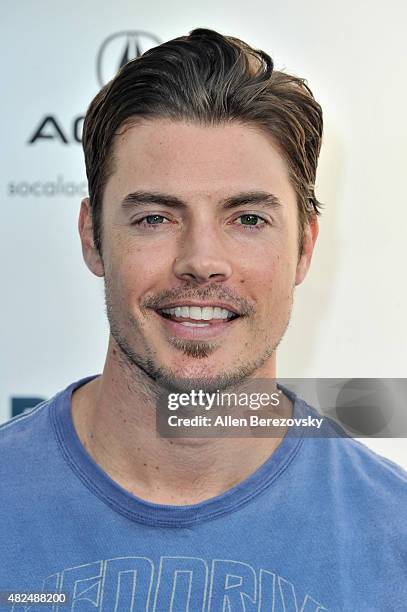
(197, 322)
(197, 315)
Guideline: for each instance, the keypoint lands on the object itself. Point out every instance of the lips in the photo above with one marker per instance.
(197, 322)
(196, 314)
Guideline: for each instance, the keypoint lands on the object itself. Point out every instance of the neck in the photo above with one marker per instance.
(115, 418)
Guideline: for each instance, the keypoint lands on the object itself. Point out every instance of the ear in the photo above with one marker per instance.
(310, 235)
(90, 253)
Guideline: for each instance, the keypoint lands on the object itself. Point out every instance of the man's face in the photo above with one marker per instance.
(200, 251)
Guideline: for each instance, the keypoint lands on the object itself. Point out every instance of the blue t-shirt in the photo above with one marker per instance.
(322, 525)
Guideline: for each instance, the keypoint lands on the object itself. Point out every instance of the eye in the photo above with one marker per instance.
(154, 219)
(150, 220)
(251, 220)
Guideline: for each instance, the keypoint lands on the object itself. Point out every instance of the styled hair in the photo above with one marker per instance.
(211, 79)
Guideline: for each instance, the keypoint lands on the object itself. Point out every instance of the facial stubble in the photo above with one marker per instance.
(145, 368)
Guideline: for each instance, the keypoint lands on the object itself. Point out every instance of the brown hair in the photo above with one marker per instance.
(211, 79)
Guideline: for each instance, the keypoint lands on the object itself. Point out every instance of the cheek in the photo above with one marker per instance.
(271, 266)
(135, 269)
(269, 280)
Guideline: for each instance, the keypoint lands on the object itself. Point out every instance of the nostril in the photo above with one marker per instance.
(200, 277)
(202, 267)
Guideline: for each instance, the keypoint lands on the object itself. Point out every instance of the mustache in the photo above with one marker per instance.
(208, 293)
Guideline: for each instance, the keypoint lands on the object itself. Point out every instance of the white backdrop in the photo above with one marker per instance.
(349, 317)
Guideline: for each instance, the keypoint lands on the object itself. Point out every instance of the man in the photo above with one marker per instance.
(202, 219)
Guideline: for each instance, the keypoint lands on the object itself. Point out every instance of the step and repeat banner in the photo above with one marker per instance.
(349, 315)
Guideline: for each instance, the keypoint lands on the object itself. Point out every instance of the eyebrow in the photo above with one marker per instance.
(260, 198)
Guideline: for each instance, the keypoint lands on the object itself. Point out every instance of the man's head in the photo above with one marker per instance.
(201, 163)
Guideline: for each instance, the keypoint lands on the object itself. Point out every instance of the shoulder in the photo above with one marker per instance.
(350, 469)
(346, 448)
(19, 428)
(27, 436)
(366, 468)
(34, 425)
(31, 448)
(27, 440)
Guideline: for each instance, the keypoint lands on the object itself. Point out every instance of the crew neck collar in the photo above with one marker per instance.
(142, 511)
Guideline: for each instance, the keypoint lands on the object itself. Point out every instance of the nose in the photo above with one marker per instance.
(203, 257)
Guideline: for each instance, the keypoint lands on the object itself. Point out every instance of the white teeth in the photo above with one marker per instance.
(207, 313)
(195, 313)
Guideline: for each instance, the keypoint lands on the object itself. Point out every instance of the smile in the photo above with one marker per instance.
(197, 322)
(198, 316)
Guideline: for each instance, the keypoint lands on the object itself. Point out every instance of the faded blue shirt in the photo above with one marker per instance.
(322, 525)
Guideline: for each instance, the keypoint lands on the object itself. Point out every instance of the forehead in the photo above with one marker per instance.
(191, 157)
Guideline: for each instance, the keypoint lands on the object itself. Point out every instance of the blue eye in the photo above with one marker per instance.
(150, 220)
(251, 220)
(153, 219)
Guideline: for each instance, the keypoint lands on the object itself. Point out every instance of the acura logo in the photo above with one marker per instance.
(120, 48)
